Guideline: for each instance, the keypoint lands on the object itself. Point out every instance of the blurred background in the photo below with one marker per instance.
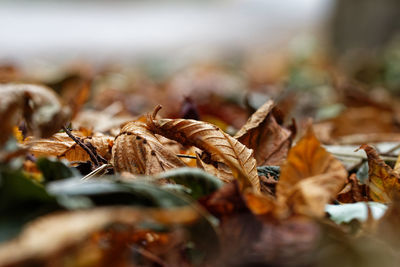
(266, 47)
(123, 30)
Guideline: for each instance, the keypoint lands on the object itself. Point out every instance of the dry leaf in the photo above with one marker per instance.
(101, 121)
(260, 204)
(61, 145)
(310, 177)
(248, 239)
(37, 105)
(52, 234)
(238, 227)
(396, 167)
(75, 91)
(353, 191)
(138, 150)
(383, 180)
(388, 226)
(358, 139)
(364, 120)
(179, 149)
(262, 133)
(221, 146)
(221, 171)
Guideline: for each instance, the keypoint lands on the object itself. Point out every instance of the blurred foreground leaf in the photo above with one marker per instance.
(21, 200)
(199, 182)
(106, 192)
(53, 169)
(104, 236)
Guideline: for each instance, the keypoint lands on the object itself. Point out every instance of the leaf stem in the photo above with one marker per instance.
(185, 156)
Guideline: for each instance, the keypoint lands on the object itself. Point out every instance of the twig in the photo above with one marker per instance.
(348, 155)
(393, 149)
(185, 156)
(150, 256)
(96, 171)
(81, 144)
(98, 156)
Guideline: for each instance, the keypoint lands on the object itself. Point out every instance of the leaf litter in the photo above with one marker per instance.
(198, 186)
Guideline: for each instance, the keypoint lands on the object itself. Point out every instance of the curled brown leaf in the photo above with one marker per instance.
(262, 133)
(353, 191)
(138, 150)
(208, 137)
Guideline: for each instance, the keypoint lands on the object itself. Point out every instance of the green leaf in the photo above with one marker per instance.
(53, 169)
(21, 200)
(199, 182)
(273, 171)
(362, 173)
(106, 191)
(177, 188)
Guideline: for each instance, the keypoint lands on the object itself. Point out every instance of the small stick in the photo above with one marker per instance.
(96, 171)
(393, 149)
(185, 156)
(98, 156)
(341, 154)
(147, 254)
(81, 144)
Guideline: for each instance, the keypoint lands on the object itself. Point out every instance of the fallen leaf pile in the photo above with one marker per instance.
(94, 173)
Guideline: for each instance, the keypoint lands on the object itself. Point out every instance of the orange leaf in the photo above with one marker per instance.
(310, 177)
(60, 145)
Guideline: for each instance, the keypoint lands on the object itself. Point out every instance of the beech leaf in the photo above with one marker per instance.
(263, 134)
(199, 182)
(60, 145)
(208, 137)
(138, 150)
(221, 171)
